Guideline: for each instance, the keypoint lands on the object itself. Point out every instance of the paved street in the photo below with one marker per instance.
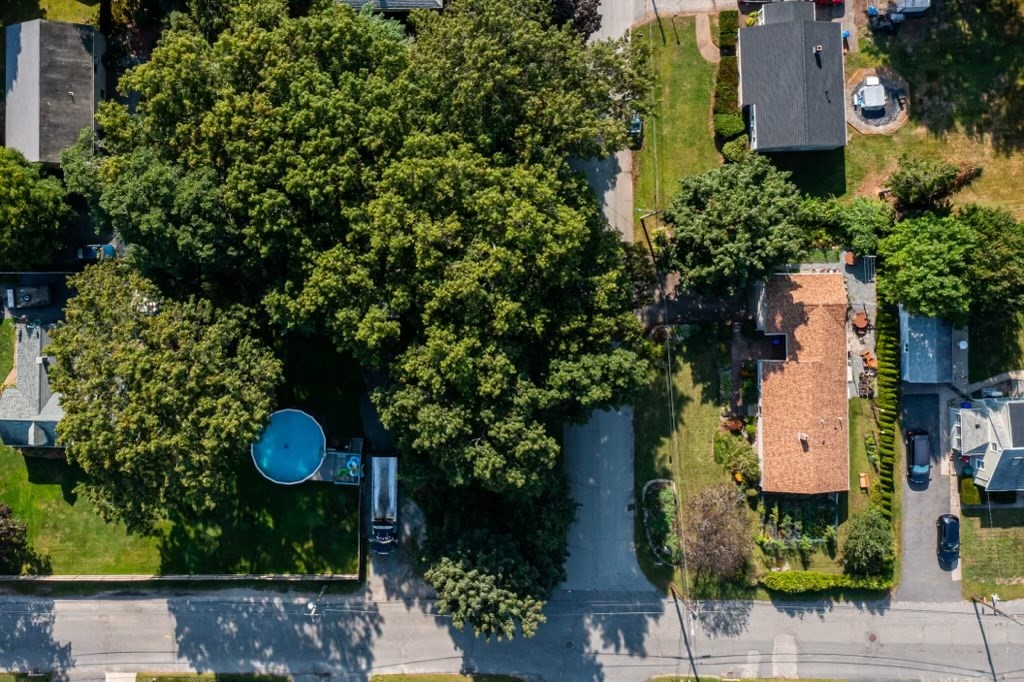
(924, 580)
(613, 636)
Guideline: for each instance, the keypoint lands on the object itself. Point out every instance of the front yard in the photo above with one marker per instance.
(678, 137)
(992, 553)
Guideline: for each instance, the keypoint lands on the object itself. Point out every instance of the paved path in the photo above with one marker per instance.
(707, 47)
(599, 462)
(1016, 375)
(618, 637)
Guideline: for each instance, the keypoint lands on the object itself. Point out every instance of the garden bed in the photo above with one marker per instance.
(661, 521)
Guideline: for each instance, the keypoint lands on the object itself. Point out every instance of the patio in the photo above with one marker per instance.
(877, 101)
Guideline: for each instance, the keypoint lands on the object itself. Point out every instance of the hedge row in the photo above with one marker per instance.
(728, 25)
(727, 87)
(798, 582)
(887, 348)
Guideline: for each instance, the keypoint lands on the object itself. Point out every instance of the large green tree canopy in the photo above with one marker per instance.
(32, 213)
(734, 224)
(926, 259)
(161, 398)
(413, 200)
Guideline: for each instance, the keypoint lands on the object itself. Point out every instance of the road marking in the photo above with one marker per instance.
(753, 665)
(784, 657)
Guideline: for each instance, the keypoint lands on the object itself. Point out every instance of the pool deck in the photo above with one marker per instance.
(334, 464)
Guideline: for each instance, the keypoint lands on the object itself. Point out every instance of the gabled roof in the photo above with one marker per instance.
(797, 92)
(782, 12)
(30, 410)
(926, 349)
(803, 435)
(396, 5)
(54, 76)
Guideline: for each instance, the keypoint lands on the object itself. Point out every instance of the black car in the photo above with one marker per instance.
(918, 456)
(947, 538)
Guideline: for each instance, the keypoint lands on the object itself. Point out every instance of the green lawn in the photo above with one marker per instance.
(997, 345)
(6, 347)
(862, 423)
(25, 677)
(678, 139)
(992, 553)
(688, 461)
(209, 677)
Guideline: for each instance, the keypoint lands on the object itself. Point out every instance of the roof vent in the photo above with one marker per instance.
(817, 49)
(803, 436)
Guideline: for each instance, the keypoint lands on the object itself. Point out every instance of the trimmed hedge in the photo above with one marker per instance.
(727, 87)
(728, 25)
(887, 348)
(728, 126)
(798, 582)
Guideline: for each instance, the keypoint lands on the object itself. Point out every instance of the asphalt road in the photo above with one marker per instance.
(924, 580)
(614, 637)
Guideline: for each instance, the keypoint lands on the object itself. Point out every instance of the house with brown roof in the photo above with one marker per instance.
(803, 440)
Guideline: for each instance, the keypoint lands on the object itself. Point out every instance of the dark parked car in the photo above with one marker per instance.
(918, 457)
(94, 252)
(948, 538)
(28, 297)
(636, 130)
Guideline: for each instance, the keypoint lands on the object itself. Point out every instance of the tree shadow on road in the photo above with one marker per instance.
(270, 634)
(26, 639)
(724, 618)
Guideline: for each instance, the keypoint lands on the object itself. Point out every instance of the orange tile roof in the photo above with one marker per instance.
(803, 435)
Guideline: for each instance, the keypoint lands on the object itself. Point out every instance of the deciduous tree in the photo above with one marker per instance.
(13, 541)
(869, 547)
(32, 213)
(923, 183)
(733, 225)
(717, 533)
(161, 398)
(995, 267)
(926, 266)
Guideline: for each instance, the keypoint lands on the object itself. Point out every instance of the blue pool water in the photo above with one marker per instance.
(291, 448)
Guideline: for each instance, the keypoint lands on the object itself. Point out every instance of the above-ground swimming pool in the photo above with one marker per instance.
(291, 448)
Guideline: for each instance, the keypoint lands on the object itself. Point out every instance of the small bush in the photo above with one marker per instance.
(727, 84)
(734, 151)
(728, 126)
(969, 493)
(728, 26)
(798, 582)
(753, 17)
(736, 455)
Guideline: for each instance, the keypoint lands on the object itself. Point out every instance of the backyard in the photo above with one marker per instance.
(992, 553)
(265, 528)
(1002, 349)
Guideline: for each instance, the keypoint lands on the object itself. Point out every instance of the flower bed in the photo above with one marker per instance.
(661, 521)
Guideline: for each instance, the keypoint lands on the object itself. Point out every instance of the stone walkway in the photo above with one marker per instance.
(707, 47)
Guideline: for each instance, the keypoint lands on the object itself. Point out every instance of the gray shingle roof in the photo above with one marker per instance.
(30, 410)
(54, 79)
(797, 93)
(396, 5)
(926, 345)
(783, 12)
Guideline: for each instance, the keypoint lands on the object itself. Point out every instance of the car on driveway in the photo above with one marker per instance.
(94, 252)
(947, 538)
(918, 457)
(28, 297)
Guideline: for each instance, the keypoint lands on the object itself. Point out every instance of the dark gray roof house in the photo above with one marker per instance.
(396, 5)
(54, 80)
(791, 80)
(926, 349)
(990, 432)
(30, 410)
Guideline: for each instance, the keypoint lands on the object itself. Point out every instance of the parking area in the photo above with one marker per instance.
(923, 578)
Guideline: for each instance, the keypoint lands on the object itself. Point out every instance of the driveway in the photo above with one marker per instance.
(923, 579)
(599, 462)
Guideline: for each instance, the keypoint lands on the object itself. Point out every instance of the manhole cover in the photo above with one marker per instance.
(568, 645)
(872, 637)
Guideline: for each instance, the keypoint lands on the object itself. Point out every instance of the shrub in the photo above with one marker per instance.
(660, 517)
(797, 582)
(869, 548)
(753, 17)
(727, 86)
(735, 150)
(969, 493)
(923, 183)
(728, 126)
(736, 455)
(728, 26)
